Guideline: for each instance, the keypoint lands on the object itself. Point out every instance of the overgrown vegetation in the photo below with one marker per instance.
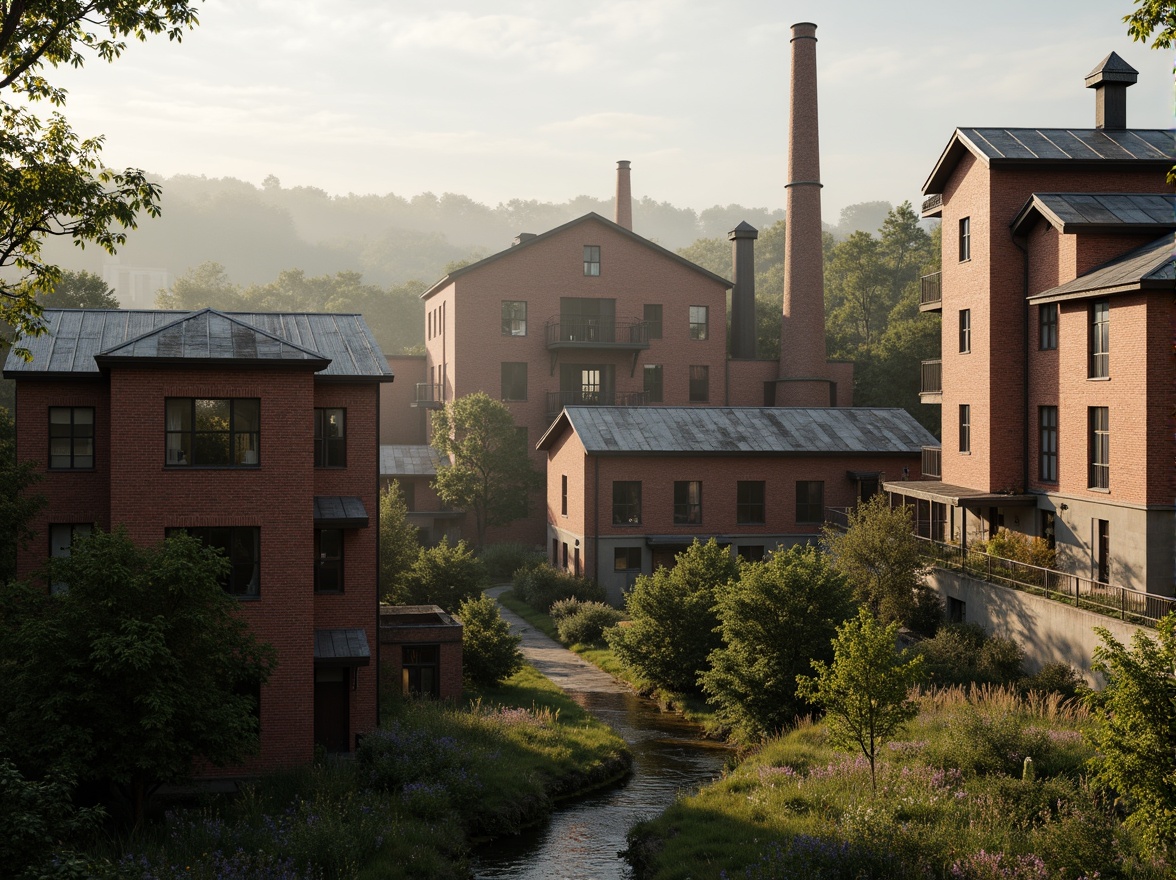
(443, 575)
(541, 586)
(583, 623)
(489, 651)
(399, 546)
(503, 560)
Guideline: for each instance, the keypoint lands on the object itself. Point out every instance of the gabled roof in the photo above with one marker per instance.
(543, 236)
(1099, 212)
(398, 460)
(743, 431)
(1151, 267)
(1057, 146)
(82, 341)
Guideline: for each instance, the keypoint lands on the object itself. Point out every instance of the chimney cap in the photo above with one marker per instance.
(1112, 69)
(622, 163)
(743, 230)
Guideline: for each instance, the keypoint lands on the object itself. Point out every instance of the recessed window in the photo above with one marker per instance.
(213, 432)
(241, 545)
(687, 502)
(965, 239)
(653, 321)
(514, 317)
(626, 559)
(61, 540)
(965, 331)
(810, 501)
(328, 560)
(1100, 447)
(563, 494)
(749, 502)
(653, 383)
(420, 669)
(514, 381)
(1100, 339)
(699, 384)
(330, 442)
(626, 503)
(751, 552)
(71, 437)
(965, 427)
(1047, 320)
(1047, 417)
(591, 259)
(698, 322)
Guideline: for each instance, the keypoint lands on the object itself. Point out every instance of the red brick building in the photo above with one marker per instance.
(1057, 380)
(629, 488)
(256, 433)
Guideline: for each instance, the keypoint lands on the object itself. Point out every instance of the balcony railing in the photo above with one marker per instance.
(931, 462)
(557, 400)
(430, 395)
(931, 291)
(1082, 592)
(932, 205)
(931, 385)
(597, 333)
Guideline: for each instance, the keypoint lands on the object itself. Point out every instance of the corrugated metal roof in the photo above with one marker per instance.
(409, 461)
(1149, 267)
(76, 337)
(651, 430)
(1072, 212)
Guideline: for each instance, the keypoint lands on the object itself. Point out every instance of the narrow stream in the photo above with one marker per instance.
(583, 839)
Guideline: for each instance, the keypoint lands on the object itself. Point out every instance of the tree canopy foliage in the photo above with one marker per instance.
(1149, 17)
(444, 575)
(53, 181)
(79, 290)
(18, 505)
(399, 545)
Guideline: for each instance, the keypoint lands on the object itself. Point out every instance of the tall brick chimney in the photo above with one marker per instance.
(623, 210)
(804, 378)
(743, 239)
(1110, 79)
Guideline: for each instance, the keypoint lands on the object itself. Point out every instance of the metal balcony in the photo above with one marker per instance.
(933, 205)
(628, 335)
(931, 386)
(931, 293)
(429, 395)
(930, 465)
(557, 400)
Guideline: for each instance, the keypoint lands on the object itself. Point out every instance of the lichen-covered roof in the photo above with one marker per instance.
(409, 461)
(1151, 267)
(1112, 212)
(725, 430)
(81, 341)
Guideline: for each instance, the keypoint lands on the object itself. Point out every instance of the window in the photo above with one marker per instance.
(61, 540)
(965, 427)
(514, 317)
(1102, 532)
(563, 504)
(330, 445)
(653, 383)
(1100, 339)
(213, 433)
(1047, 321)
(591, 259)
(698, 322)
(1047, 417)
(810, 501)
(514, 381)
(749, 502)
(1100, 447)
(751, 552)
(626, 559)
(420, 669)
(626, 502)
(965, 331)
(965, 239)
(699, 384)
(328, 561)
(687, 502)
(241, 545)
(71, 437)
(653, 321)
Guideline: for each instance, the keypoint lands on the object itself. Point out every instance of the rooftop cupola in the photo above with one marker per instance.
(1110, 79)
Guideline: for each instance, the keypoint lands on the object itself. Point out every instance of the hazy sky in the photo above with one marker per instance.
(536, 99)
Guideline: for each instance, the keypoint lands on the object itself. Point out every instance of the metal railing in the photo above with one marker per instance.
(932, 377)
(933, 201)
(597, 331)
(931, 289)
(1081, 592)
(429, 394)
(557, 400)
(930, 465)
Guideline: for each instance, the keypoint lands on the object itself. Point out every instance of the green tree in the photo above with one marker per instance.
(673, 628)
(206, 286)
(399, 546)
(443, 575)
(1135, 727)
(54, 182)
(18, 505)
(142, 666)
(777, 617)
(489, 652)
(490, 472)
(1149, 16)
(859, 294)
(865, 690)
(79, 290)
(879, 556)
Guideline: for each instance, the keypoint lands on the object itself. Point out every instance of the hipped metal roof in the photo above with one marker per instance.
(83, 341)
(409, 461)
(1151, 267)
(725, 430)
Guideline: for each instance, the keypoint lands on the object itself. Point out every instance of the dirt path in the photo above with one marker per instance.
(554, 660)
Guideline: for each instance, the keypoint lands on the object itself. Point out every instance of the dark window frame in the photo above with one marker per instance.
(687, 511)
(1100, 339)
(653, 383)
(73, 436)
(563, 506)
(1047, 326)
(511, 385)
(965, 239)
(751, 502)
(965, 331)
(327, 563)
(76, 530)
(512, 324)
(424, 656)
(653, 325)
(240, 442)
(965, 427)
(699, 383)
(592, 260)
(810, 502)
(1047, 423)
(626, 502)
(243, 580)
(330, 449)
(699, 330)
(626, 555)
(1099, 428)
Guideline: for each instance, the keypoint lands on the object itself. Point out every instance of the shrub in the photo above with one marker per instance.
(503, 560)
(564, 608)
(490, 653)
(541, 586)
(1019, 548)
(1056, 678)
(445, 576)
(586, 625)
(963, 653)
(1000, 660)
(987, 741)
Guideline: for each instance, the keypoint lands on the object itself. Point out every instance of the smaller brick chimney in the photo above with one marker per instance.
(1110, 79)
(623, 210)
(743, 239)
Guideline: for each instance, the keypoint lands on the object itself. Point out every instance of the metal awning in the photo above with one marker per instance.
(956, 496)
(339, 512)
(341, 647)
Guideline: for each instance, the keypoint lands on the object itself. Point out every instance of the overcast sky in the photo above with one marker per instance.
(537, 99)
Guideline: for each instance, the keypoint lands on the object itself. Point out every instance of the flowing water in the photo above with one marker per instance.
(582, 840)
